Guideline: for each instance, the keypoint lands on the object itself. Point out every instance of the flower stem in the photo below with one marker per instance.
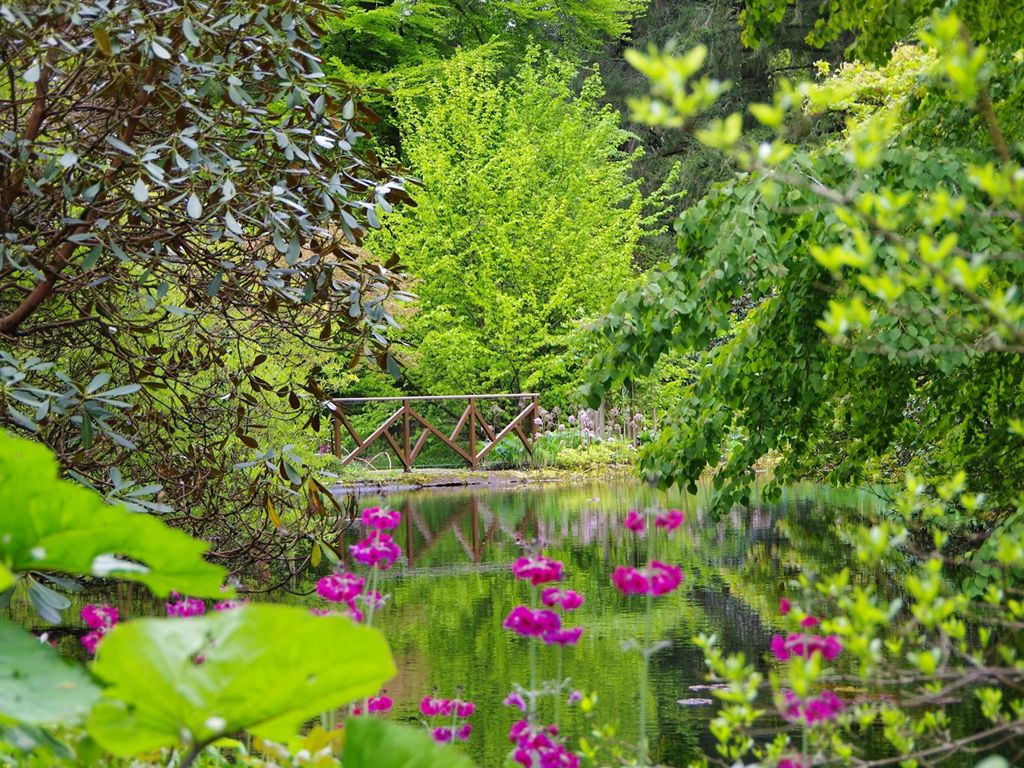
(645, 652)
(532, 714)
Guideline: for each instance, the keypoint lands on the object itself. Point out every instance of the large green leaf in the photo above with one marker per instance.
(37, 687)
(262, 668)
(374, 743)
(6, 578)
(50, 524)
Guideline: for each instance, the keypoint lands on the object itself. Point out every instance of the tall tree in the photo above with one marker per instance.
(181, 190)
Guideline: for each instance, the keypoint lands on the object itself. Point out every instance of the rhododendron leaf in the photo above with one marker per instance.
(262, 668)
(6, 578)
(374, 743)
(51, 524)
(37, 687)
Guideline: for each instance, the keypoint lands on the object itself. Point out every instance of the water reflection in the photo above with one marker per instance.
(448, 603)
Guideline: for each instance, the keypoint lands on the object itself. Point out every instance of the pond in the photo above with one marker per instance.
(444, 619)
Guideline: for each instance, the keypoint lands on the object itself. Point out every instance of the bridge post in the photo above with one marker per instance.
(406, 456)
(472, 432)
(337, 430)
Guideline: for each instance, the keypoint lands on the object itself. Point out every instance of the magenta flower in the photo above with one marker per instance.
(657, 579)
(353, 613)
(185, 606)
(375, 517)
(464, 709)
(515, 700)
(824, 706)
(340, 587)
(796, 644)
(532, 623)
(567, 599)
(442, 734)
(670, 520)
(537, 570)
(91, 639)
(227, 605)
(635, 521)
(537, 748)
(569, 636)
(378, 550)
(379, 704)
(99, 616)
(463, 731)
(784, 606)
(810, 621)
(373, 600)
(431, 706)
(787, 763)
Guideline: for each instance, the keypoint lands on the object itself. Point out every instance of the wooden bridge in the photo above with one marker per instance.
(480, 437)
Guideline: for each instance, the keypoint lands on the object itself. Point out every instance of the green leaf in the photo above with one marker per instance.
(55, 525)
(262, 668)
(6, 578)
(37, 687)
(374, 743)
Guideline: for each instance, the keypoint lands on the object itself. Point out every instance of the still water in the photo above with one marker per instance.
(448, 602)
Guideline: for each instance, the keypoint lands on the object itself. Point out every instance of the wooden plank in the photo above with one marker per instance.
(337, 435)
(473, 458)
(405, 436)
(348, 425)
(440, 435)
(501, 435)
(373, 436)
(514, 396)
(419, 445)
(397, 449)
(461, 423)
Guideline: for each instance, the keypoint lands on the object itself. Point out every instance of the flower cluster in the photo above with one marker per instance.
(99, 618)
(804, 644)
(566, 599)
(540, 747)
(537, 570)
(227, 605)
(656, 579)
(382, 520)
(667, 521)
(184, 607)
(458, 729)
(532, 623)
(376, 705)
(824, 706)
(340, 588)
(378, 550)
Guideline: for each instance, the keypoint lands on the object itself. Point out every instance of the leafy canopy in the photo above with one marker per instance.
(525, 225)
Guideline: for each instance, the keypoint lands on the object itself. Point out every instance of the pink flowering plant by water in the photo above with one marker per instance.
(653, 579)
(542, 623)
(447, 719)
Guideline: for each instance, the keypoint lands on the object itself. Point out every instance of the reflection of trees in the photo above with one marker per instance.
(445, 620)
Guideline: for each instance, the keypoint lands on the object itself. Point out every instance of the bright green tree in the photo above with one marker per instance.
(526, 224)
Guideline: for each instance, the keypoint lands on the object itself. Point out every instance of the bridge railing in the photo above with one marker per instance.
(472, 439)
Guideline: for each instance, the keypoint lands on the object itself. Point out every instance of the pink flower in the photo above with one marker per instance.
(379, 704)
(810, 621)
(796, 644)
(91, 639)
(515, 700)
(566, 598)
(99, 616)
(378, 550)
(538, 570)
(185, 606)
(353, 613)
(538, 747)
(227, 605)
(340, 587)
(532, 623)
(431, 706)
(784, 606)
(575, 698)
(787, 763)
(375, 517)
(670, 520)
(824, 706)
(657, 579)
(463, 731)
(563, 636)
(442, 734)
(635, 521)
(464, 709)
(665, 578)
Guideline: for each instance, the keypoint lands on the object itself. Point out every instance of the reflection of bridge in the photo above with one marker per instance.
(407, 418)
(484, 525)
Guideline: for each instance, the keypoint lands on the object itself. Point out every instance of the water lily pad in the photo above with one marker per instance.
(262, 668)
